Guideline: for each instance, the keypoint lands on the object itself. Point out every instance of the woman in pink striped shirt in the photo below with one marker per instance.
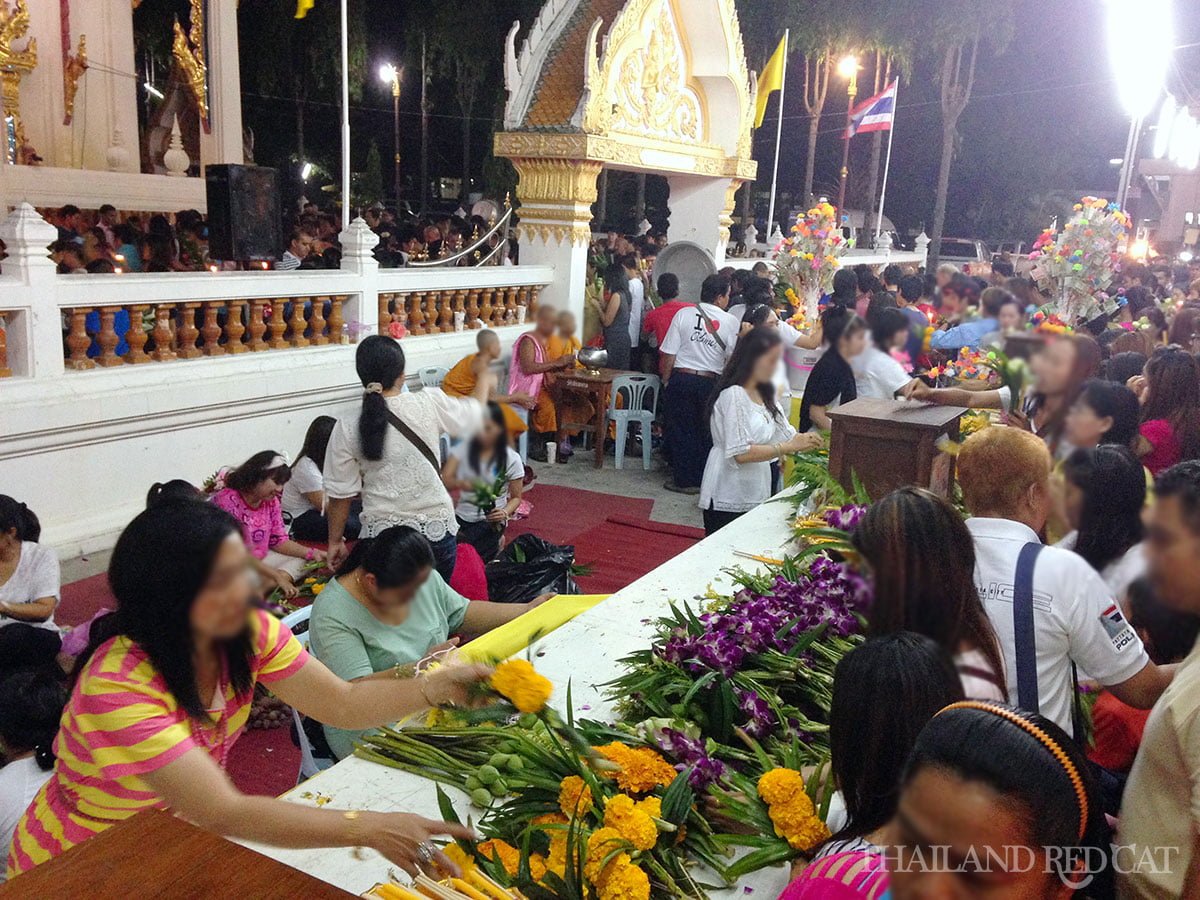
(165, 690)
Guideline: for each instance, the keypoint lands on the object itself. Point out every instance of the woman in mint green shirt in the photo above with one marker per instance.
(387, 609)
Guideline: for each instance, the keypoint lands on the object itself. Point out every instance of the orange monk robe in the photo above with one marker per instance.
(572, 407)
(460, 382)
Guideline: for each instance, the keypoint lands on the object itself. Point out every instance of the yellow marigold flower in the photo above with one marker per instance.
(651, 806)
(503, 853)
(537, 866)
(317, 588)
(516, 681)
(642, 770)
(460, 857)
(633, 824)
(780, 785)
(599, 845)
(625, 882)
(574, 796)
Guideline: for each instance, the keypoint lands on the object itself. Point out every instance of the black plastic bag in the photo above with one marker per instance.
(528, 568)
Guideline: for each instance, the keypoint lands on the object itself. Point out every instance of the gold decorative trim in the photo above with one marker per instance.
(73, 68)
(14, 65)
(189, 53)
(725, 221)
(639, 154)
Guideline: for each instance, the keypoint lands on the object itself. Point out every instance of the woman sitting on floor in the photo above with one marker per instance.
(31, 703)
(388, 609)
(251, 495)
(303, 500)
(29, 591)
(484, 461)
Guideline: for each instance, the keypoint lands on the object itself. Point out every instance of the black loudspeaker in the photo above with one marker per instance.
(244, 219)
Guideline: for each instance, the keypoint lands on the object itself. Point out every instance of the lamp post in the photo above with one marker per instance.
(1140, 42)
(390, 74)
(848, 69)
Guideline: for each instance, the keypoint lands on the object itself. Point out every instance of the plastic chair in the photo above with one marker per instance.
(523, 439)
(310, 765)
(432, 376)
(638, 408)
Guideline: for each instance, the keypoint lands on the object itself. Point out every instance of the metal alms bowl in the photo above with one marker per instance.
(593, 358)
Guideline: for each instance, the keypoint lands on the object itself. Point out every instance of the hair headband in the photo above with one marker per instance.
(1056, 750)
(374, 387)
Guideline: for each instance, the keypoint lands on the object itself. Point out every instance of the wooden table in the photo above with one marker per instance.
(596, 384)
(155, 854)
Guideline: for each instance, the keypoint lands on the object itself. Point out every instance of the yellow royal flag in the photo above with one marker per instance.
(770, 81)
(303, 6)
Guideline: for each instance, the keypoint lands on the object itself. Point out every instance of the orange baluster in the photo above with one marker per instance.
(336, 321)
(460, 300)
(385, 312)
(533, 301)
(319, 337)
(211, 330)
(164, 340)
(234, 329)
(416, 315)
(278, 325)
(510, 307)
(187, 332)
(299, 323)
(258, 325)
(473, 309)
(136, 336)
(485, 311)
(78, 340)
(108, 338)
(5, 371)
(431, 311)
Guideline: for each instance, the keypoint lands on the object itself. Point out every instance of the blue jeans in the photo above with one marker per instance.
(445, 555)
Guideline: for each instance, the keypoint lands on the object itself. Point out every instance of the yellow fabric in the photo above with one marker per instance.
(770, 80)
(794, 418)
(557, 346)
(303, 6)
(513, 637)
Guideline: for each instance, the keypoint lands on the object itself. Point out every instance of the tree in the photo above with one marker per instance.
(370, 186)
(962, 31)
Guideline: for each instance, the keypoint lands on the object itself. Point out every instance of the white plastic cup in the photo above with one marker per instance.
(551, 452)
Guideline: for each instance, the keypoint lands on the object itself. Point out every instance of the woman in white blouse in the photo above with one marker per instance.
(749, 431)
(388, 453)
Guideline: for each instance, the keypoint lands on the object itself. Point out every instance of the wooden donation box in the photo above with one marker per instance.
(889, 444)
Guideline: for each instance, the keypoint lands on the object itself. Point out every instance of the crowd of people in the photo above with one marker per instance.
(1064, 603)
(106, 240)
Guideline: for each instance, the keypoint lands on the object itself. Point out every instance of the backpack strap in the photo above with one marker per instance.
(1023, 630)
(415, 440)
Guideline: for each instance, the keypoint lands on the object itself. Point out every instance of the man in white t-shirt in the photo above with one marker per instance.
(1160, 810)
(693, 353)
(1050, 609)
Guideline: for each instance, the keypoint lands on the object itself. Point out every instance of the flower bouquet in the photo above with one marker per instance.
(1042, 322)
(811, 253)
(485, 494)
(1076, 267)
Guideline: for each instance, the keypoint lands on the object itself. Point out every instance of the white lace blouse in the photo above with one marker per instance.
(737, 423)
(402, 488)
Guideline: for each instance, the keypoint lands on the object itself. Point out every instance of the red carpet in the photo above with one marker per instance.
(613, 535)
(622, 549)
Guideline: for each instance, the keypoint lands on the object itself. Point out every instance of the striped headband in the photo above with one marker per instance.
(1056, 750)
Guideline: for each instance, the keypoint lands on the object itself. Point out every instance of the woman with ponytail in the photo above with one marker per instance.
(31, 703)
(387, 609)
(388, 453)
(29, 591)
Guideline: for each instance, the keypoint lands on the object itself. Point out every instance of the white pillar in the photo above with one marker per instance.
(701, 209)
(35, 345)
(358, 244)
(223, 143)
(543, 246)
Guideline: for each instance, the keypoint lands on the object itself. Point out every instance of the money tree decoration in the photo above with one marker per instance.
(1075, 268)
(810, 255)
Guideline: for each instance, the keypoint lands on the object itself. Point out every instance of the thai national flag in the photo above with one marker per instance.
(874, 114)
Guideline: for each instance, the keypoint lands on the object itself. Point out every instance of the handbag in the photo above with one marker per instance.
(415, 440)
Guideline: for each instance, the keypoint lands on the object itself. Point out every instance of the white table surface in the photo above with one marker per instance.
(583, 652)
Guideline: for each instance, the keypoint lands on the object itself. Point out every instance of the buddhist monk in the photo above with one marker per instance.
(460, 381)
(531, 373)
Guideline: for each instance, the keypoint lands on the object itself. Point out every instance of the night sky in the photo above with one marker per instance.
(1041, 127)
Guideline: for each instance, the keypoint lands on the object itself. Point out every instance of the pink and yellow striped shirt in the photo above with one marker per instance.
(121, 723)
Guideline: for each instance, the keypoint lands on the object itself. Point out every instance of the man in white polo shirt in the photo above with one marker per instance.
(1160, 813)
(1050, 609)
(693, 354)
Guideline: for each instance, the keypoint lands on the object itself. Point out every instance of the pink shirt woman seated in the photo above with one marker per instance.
(251, 495)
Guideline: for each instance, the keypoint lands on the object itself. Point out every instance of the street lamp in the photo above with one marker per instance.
(848, 69)
(1140, 41)
(390, 74)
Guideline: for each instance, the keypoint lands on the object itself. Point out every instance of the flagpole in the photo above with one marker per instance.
(887, 163)
(347, 210)
(778, 136)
